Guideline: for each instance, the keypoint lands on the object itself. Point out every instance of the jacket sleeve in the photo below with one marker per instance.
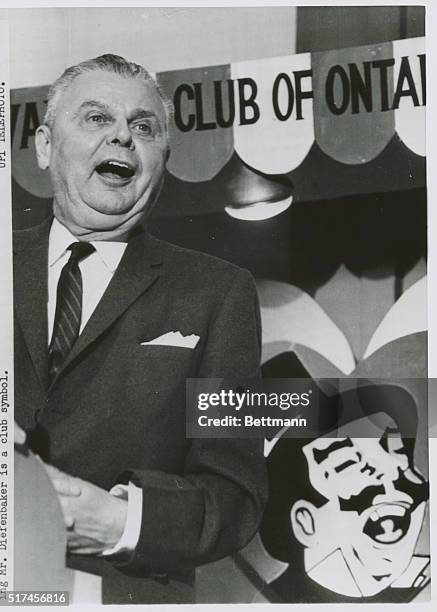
(215, 506)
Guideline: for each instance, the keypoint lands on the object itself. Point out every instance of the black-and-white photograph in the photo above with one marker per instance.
(216, 194)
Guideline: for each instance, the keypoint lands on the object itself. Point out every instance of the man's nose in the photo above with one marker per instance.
(120, 135)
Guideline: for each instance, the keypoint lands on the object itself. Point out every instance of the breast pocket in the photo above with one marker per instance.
(159, 372)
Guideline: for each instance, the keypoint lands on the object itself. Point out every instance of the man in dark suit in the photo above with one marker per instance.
(106, 336)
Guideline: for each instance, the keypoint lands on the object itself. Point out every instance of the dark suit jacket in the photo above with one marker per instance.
(116, 411)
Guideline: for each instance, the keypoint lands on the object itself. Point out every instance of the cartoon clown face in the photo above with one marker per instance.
(363, 538)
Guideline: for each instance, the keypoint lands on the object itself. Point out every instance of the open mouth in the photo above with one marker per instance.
(115, 171)
(388, 523)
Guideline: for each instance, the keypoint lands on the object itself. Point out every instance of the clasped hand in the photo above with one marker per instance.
(94, 518)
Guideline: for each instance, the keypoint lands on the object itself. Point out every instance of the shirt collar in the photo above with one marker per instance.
(60, 239)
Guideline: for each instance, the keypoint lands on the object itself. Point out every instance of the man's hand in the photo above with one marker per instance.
(94, 519)
(19, 434)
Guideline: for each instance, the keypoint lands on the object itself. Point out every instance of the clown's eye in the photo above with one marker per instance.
(392, 442)
(348, 463)
(396, 445)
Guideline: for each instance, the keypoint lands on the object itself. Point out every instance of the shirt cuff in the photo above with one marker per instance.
(131, 534)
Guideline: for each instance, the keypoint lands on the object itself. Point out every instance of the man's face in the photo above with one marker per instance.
(363, 538)
(106, 153)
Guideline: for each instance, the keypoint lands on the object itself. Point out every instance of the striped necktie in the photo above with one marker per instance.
(68, 312)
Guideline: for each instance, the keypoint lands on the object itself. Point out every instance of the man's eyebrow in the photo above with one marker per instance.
(135, 115)
(322, 454)
(93, 104)
(142, 113)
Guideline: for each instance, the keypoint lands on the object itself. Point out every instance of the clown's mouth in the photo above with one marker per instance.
(388, 523)
(115, 171)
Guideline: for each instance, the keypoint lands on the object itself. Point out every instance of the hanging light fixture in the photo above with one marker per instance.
(251, 195)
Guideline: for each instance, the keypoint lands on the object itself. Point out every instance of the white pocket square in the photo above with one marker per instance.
(174, 339)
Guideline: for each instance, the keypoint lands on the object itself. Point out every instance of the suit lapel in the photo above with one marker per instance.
(137, 271)
(30, 292)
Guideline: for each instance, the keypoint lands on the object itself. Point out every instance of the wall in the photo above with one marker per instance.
(160, 38)
(336, 27)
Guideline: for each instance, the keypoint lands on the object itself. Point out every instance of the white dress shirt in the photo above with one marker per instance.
(97, 270)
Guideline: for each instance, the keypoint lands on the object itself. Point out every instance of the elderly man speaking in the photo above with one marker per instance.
(110, 322)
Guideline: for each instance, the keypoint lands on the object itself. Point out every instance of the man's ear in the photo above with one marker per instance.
(43, 143)
(302, 517)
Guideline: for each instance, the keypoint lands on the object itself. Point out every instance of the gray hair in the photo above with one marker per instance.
(109, 63)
